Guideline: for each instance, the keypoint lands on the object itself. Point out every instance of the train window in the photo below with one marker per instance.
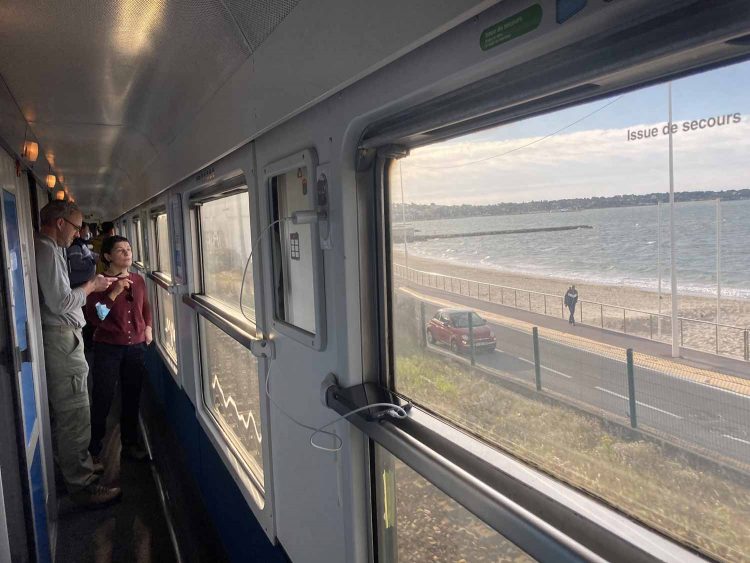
(225, 244)
(297, 257)
(163, 258)
(231, 387)
(231, 393)
(531, 297)
(138, 256)
(419, 523)
(166, 334)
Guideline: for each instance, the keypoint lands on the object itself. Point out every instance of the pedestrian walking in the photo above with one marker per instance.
(571, 298)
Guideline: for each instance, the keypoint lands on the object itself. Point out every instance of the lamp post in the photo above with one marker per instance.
(672, 241)
(718, 261)
(403, 218)
(658, 261)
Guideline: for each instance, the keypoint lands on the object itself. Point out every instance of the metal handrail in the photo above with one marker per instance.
(418, 276)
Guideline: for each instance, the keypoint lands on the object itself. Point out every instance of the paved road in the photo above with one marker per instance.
(715, 420)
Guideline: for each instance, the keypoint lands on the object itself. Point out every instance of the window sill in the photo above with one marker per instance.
(545, 518)
(162, 281)
(225, 319)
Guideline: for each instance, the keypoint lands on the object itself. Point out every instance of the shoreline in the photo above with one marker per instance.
(735, 311)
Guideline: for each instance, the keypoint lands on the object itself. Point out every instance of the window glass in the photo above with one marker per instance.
(231, 391)
(225, 247)
(420, 524)
(164, 265)
(293, 251)
(556, 231)
(137, 242)
(167, 334)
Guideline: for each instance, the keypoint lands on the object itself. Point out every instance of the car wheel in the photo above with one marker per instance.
(454, 346)
(430, 337)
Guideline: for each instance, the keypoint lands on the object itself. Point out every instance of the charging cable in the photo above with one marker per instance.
(392, 409)
(306, 217)
(303, 217)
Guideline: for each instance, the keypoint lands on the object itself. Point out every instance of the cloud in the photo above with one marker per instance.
(595, 162)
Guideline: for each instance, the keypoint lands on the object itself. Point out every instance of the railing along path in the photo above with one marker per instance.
(728, 340)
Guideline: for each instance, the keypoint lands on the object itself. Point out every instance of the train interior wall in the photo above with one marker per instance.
(316, 506)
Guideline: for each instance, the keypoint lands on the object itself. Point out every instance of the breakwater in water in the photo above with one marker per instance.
(417, 238)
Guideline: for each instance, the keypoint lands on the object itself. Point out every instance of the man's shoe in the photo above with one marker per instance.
(98, 465)
(134, 452)
(96, 496)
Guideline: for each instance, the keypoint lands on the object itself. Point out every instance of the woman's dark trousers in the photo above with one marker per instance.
(114, 362)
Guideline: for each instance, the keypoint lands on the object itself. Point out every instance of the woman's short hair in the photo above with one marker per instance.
(109, 244)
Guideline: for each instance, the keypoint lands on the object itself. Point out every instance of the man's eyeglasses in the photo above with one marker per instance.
(76, 227)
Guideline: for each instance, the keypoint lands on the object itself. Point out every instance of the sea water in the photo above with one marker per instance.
(621, 248)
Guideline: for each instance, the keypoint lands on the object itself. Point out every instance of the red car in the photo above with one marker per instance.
(451, 327)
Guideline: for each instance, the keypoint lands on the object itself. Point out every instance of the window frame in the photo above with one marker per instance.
(243, 331)
(195, 204)
(502, 491)
(158, 266)
(308, 159)
(137, 241)
(456, 461)
(164, 286)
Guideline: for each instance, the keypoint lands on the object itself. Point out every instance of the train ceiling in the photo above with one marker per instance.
(127, 97)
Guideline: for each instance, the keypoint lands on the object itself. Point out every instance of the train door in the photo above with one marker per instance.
(27, 389)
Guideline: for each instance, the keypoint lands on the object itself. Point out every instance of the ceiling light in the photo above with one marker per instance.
(30, 151)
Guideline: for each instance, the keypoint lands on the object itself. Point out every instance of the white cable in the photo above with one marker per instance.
(298, 218)
(394, 410)
(250, 258)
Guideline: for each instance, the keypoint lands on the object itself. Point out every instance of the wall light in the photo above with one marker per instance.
(51, 181)
(30, 151)
(59, 194)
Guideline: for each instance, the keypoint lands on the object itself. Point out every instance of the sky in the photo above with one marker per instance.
(592, 155)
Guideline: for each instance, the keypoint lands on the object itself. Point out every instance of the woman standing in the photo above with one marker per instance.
(121, 317)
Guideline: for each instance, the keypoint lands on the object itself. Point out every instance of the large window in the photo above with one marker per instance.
(138, 254)
(231, 391)
(167, 336)
(225, 248)
(163, 258)
(231, 383)
(534, 268)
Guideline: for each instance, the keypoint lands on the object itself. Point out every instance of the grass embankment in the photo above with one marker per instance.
(687, 499)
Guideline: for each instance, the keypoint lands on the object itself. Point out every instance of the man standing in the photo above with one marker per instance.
(65, 363)
(571, 298)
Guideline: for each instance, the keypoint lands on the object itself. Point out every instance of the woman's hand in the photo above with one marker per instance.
(149, 336)
(118, 287)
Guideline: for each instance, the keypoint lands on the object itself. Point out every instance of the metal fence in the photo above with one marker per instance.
(695, 334)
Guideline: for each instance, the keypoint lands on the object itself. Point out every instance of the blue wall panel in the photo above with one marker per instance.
(239, 530)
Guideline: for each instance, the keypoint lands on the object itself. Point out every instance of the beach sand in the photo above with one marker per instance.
(734, 312)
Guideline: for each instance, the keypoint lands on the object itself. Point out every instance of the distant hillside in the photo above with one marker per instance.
(417, 211)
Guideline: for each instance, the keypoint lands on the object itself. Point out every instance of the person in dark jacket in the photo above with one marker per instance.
(81, 261)
(571, 298)
(121, 316)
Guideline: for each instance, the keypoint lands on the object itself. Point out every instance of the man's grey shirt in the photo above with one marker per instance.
(61, 306)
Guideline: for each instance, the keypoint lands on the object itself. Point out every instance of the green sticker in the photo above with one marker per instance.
(512, 27)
